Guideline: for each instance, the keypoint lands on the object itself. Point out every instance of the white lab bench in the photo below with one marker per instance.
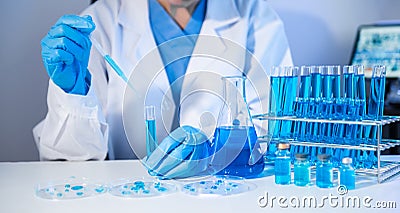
(18, 180)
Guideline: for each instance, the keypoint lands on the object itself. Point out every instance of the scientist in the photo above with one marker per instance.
(86, 97)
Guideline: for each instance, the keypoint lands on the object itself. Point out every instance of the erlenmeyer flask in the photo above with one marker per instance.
(235, 141)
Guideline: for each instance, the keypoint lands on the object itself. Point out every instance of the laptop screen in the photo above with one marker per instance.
(378, 44)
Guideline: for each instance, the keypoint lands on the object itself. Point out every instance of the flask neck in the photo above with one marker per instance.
(235, 111)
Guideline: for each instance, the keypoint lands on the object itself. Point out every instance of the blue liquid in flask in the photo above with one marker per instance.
(236, 139)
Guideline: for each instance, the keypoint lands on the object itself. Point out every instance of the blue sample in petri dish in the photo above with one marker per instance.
(220, 185)
(70, 188)
(138, 188)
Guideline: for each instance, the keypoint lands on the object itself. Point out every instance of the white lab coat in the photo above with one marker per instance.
(88, 127)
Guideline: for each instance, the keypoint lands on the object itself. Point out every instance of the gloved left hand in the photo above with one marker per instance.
(184, 153)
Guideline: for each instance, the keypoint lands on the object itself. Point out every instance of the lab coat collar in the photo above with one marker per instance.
(133, 17)
(219, 14)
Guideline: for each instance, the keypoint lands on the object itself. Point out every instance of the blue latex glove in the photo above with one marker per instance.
(65, 53)
(184, 153)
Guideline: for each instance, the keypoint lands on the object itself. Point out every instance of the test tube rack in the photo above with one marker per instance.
(385, 170)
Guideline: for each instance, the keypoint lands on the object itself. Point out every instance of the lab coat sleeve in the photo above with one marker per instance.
(74, 128)
(268, 44)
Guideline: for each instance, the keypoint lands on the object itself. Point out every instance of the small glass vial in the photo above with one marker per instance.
(324, 171)
(347, 174)
(302, 171)
(282, 164)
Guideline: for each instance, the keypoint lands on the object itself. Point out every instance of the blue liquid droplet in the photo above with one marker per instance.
(162, 189)
(99, 190)
(202, 182)
(139, 183)
(66, 190)
(125, 192)
(79, 193)
(146, 191)
(76, 188)
(67, 185)
(214, 187)
(59, 195)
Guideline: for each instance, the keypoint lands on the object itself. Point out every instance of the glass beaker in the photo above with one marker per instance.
(236, 151)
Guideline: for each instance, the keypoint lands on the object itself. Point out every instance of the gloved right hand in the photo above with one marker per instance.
(183, 153)
(65, 53)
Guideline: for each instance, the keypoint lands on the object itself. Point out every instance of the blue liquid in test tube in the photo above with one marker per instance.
(327, 108)
(361, 109)
(288, 102)
(275, 109)
(151, 138)
(312, 130)
(345, 132)
(375, 110)
(301, 109)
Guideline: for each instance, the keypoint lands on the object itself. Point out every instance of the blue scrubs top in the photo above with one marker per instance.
(175, 55)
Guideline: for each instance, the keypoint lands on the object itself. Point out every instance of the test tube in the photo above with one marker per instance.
(375, 110)
(275, 109)
(151, 139)
(301, 109)
(289, 97)
(361, 110)
(314, 111)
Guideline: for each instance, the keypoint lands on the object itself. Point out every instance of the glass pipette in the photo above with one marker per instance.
(111, 62)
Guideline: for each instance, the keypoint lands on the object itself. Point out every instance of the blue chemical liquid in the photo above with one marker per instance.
(301, 111)
(76, 188)
(324, 175)
(288, 104)
(282, 169)
(376, 99)
(347, 177)
(302, 173)
(375, 112)
(312, 129)
(275, 110)
(236, 139)
(115, 67)
(361, 110)
(151, 140)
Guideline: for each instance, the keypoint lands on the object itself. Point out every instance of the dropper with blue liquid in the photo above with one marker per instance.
(111, 62)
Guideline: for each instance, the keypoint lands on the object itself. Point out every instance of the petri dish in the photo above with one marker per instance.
(141, 188)
(219, 185)
(70, 188)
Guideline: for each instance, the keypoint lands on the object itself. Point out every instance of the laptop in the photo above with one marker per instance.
(378, 44)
